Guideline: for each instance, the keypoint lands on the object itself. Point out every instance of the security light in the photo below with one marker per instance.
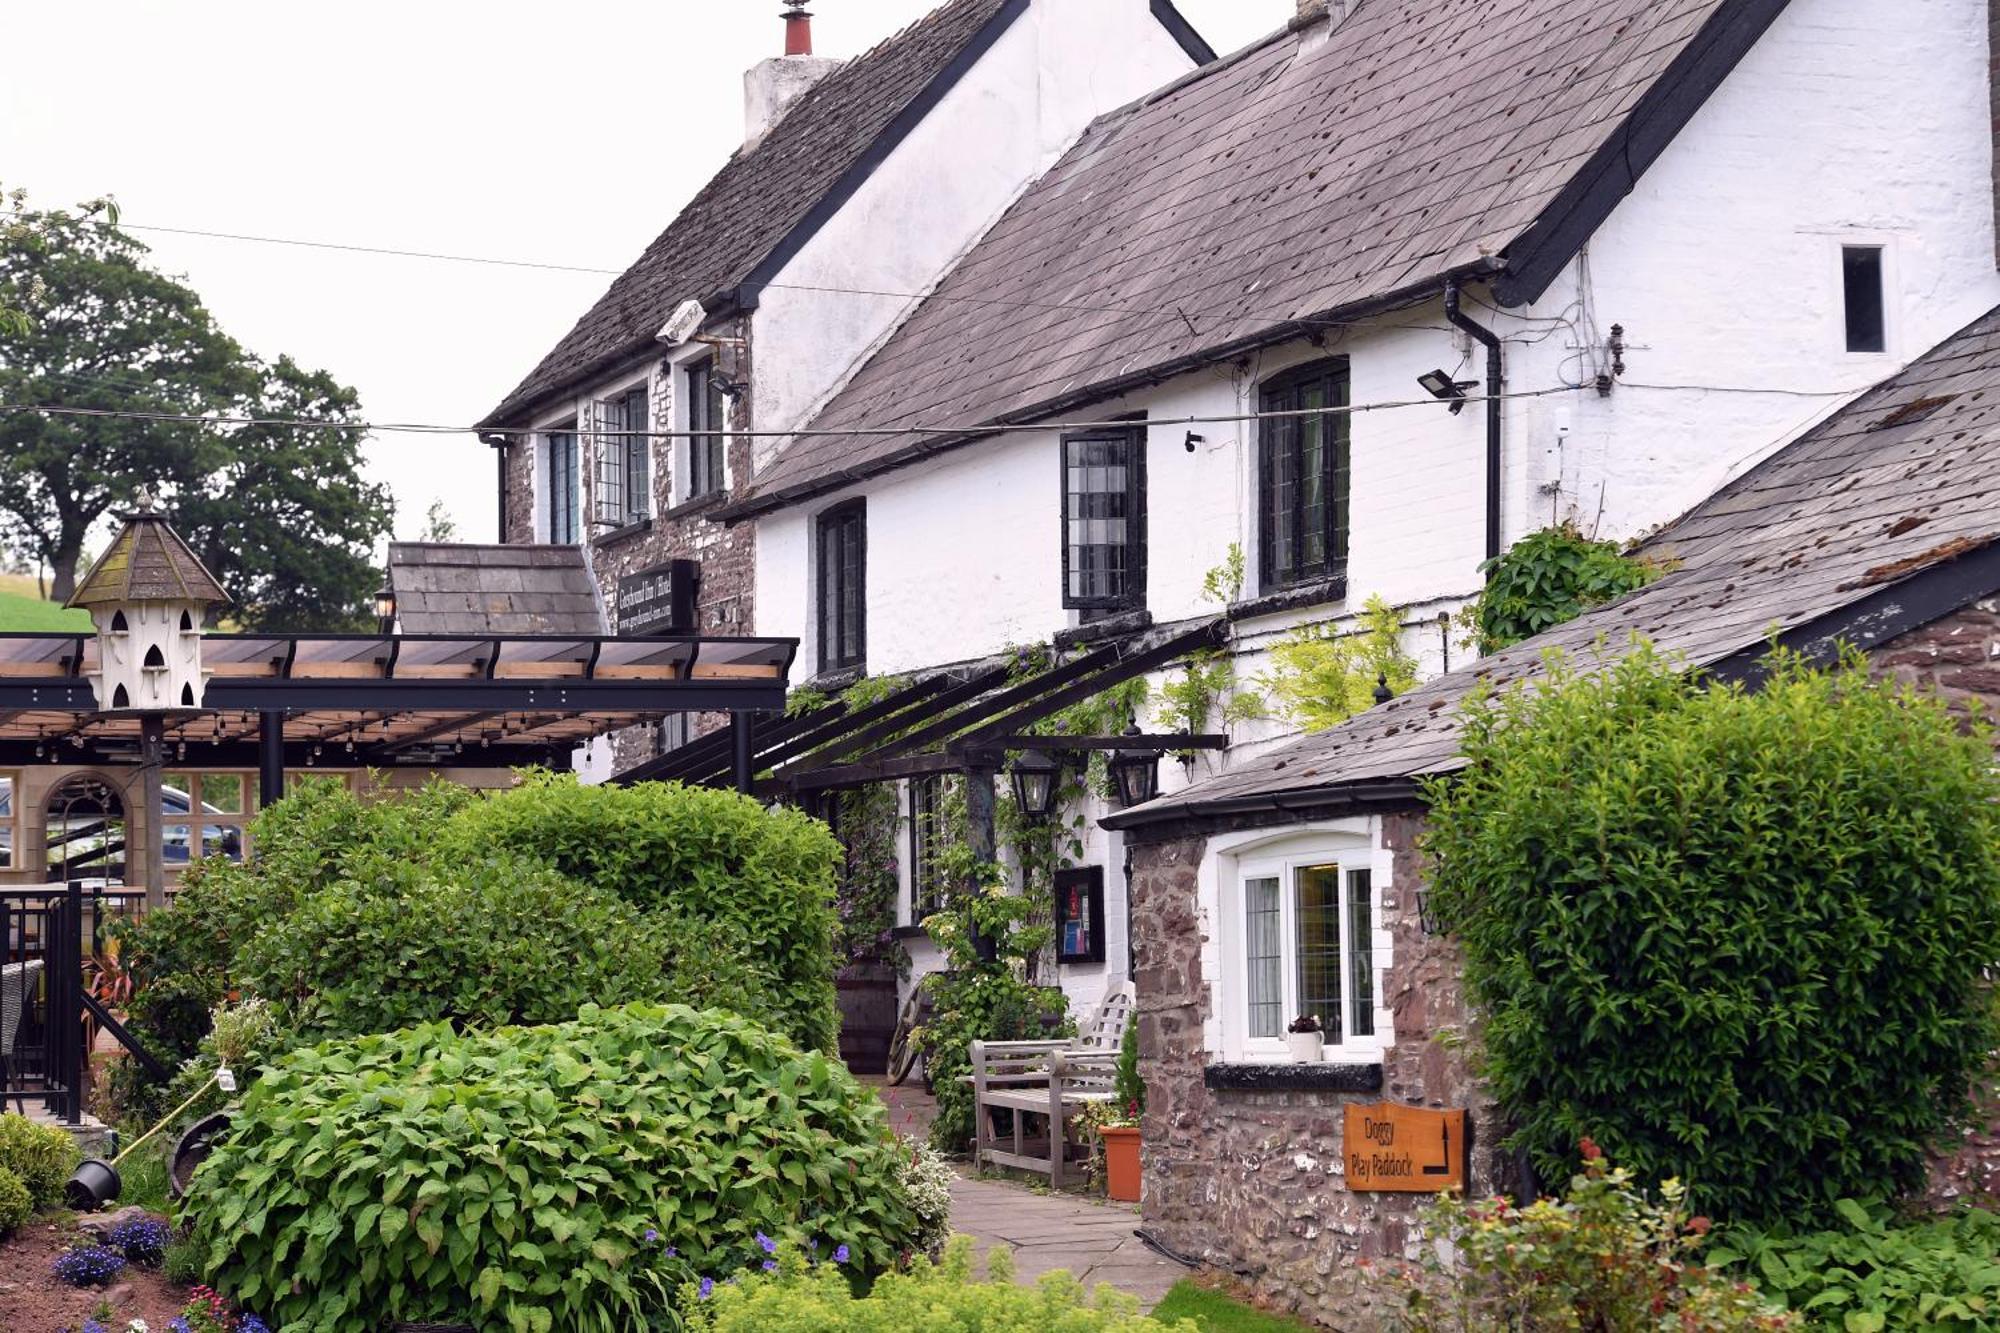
(1440, 385)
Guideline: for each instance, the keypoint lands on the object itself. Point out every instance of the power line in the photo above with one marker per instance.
(423, 428)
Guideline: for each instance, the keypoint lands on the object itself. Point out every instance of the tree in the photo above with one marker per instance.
(281, 511)
(438, 525)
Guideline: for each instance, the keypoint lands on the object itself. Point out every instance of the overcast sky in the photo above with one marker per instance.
(520, 129)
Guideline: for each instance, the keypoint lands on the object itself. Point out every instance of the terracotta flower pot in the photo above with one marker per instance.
(1121, 1163)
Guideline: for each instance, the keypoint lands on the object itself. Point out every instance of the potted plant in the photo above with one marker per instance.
(1304, 1039)
(1116, 1127)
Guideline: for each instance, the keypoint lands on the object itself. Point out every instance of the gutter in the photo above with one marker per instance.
(1310, 801)
(1496, 380)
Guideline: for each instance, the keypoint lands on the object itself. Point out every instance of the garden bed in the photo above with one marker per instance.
(33, 1300)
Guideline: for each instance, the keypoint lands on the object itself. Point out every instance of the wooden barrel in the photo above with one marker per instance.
(867, 1017)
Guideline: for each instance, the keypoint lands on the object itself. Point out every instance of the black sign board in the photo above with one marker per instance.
(659, 600)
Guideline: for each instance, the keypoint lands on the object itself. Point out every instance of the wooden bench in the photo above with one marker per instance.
(1049, 1080)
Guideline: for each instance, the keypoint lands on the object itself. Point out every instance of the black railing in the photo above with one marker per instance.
(46, 934)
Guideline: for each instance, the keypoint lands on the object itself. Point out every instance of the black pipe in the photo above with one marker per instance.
(500, 456)
(1496, 379)
(742, 745)
(270, 758)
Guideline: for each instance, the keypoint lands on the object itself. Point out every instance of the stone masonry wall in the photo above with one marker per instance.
(1959, 657)
(726, 604)
(1253, 1183)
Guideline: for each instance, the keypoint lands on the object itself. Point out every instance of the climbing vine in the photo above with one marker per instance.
(1546, 578)
(1207, 678)
(1321, 676)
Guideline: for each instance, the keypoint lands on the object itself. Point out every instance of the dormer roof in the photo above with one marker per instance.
(147, 562)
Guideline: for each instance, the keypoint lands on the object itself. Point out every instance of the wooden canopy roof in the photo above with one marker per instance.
(147, 562)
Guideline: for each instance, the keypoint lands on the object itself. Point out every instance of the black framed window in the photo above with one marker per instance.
(1862, 290)
(1302, 473)
(1104, 519)
(928, 890)
(629, 413)
(707, 418)
(563, 513)
(843, 587)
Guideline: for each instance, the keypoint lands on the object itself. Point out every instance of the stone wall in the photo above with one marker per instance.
(1254, 1182)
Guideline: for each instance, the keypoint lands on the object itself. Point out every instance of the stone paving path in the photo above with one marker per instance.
(1090, 1238)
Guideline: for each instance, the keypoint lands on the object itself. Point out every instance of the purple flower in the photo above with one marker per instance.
(840, 1255)
(94, 1326)
(651, 1235)
(178, 1324)
(766, 1244)
(88, 1265)
(707, 1287)
(250, 1323)
(673, 1253)
(770, 1265)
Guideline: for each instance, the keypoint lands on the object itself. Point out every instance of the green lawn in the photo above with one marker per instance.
(20, 611)
(1216, 1312)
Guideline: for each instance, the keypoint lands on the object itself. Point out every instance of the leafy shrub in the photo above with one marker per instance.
(1128, 1089)
(935, 1298)
(1603, 1257)
(519, 1172)
(143, 1240)
(182, 1263)
(764, 878)
(925, 1179)
(41, 1155)
(85, 1265)
(1321, 676)
(1547, 578)
(981, 999)
(16, 1204)
(1735, 937)
(1873, 1274)
(501, 941)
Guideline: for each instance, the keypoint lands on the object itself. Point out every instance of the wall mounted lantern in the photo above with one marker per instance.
(1034, 776)
(385, 609)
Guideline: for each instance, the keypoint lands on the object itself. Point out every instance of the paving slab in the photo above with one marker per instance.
(1094, 1241)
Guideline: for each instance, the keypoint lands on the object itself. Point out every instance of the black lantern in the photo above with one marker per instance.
(1137, 773)
(385, 609)
(1034, 777)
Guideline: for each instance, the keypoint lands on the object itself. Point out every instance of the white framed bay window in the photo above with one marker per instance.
(1299, 918)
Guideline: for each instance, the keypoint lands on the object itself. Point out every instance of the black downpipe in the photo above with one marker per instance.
(1496, 379)
(500, 455)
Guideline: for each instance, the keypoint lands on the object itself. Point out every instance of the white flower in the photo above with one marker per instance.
(137, 1326)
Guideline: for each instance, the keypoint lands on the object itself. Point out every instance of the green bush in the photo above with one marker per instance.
(1547, 578)
(765, 878)
(1735, 937)
(41, 1155)
(1873, 1273)
(934, 1298)
(1603, 1257)
(538, 1177)
(16, 1204)
(501, 941)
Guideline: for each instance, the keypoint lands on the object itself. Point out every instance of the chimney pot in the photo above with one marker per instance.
(798, 31)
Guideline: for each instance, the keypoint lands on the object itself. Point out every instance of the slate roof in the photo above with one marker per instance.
(761, 196)
(147, 562)
(461, 588)
(1835, 534)
(1313, 176)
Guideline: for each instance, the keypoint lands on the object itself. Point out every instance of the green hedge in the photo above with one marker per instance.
(511, 1178)
(41, 1156)
(1736, 938)
(763, 877)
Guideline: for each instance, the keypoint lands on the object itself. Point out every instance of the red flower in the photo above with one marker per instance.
(1699, 1225)
(1591, 1152)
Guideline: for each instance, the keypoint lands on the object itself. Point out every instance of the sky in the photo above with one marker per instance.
(515, 129)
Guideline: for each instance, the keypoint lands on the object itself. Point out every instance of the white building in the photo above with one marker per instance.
(1693, 227)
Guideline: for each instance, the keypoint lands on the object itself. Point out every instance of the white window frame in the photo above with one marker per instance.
(1349, 844)
(10, 822)
(679, 398)
(1837, 243)
(559, 423)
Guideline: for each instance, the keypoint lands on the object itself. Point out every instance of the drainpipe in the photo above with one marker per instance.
(1496, 379)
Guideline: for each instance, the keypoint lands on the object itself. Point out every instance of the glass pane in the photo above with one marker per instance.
(177, 844)
(1360, 951)
(176, 793)
(1317, 921)
(1262, 961)
(222, 793)
(6, 820)
(222, 840)
(1861, 278)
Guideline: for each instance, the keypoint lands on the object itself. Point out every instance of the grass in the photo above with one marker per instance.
(1218, 1312)
(21, 609)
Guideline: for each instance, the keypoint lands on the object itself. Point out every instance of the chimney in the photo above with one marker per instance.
(771, 86)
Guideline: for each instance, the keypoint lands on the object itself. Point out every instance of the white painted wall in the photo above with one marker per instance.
(1007, 120)
(1849, 120)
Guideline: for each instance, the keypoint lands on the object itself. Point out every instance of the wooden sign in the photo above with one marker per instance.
(1405, 1149)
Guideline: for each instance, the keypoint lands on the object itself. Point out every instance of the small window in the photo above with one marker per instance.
(632, 414)
(1104, 520)
(1861, 281)
(1302, 467)
(928, 835)
(563, 475)
(843, 587)
(9, 815)
(707, 418)
(624, 474)
(1308, 949)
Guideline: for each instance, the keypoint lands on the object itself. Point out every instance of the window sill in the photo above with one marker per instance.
(829, 682)
(624, 534)
(1291, 599)
(910, 933)
(1318, 1076)
(1111, 627)
(701, 504)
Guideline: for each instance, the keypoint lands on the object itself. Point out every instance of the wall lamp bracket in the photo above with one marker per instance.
(1441, 386)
